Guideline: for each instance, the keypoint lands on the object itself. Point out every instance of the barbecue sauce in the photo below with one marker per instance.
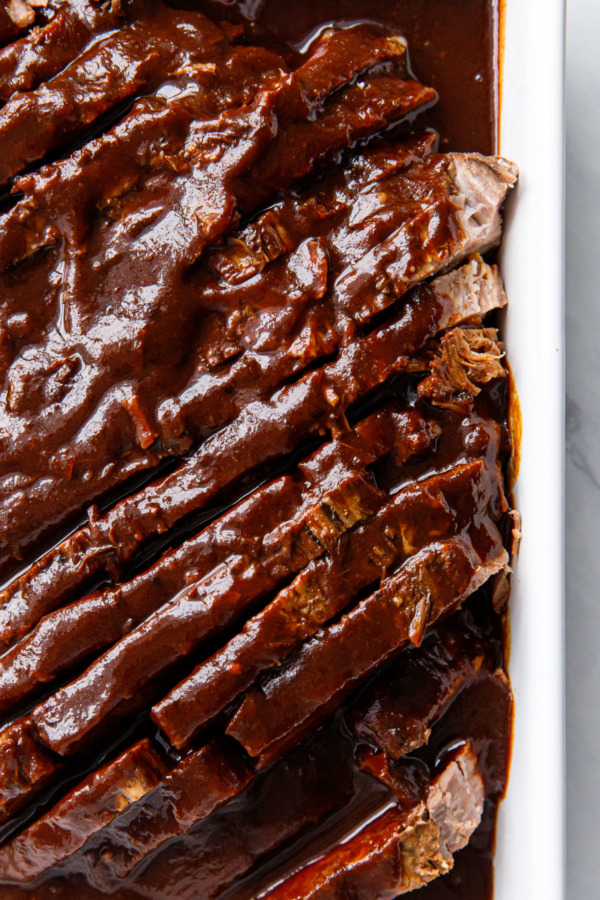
(452, 47)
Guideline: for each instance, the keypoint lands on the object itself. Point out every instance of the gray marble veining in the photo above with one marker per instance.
(583, 458)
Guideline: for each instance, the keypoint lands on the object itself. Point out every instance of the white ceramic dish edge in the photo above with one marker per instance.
(530, 842)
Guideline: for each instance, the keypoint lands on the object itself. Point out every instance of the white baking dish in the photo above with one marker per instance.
(530, 845)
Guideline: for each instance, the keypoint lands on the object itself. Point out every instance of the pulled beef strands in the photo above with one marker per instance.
(272, 525)
(436, 508)
(46, 49)
(69, 718)
(400, 850)
(466, 359)
(95, 802)
(431, 584)
(26, 767)
(93, 401)
(398, 711)
(263, 431)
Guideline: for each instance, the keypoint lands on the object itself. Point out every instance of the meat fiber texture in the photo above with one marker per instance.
(252, 444)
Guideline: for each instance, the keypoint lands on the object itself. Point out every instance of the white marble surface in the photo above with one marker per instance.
(583, 458)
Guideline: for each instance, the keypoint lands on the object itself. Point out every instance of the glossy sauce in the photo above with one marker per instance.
(452, 47)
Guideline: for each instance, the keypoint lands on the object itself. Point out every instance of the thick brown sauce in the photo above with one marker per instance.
(452, 47)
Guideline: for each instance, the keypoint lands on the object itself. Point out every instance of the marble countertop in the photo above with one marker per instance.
(583, 458)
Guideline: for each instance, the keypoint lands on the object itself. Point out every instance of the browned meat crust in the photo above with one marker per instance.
(26, 767)
(430, 585)
(434, 510)
(263, 431)
(277, 527)
(399, 851)
(94, 803)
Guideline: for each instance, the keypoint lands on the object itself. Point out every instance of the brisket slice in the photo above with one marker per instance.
(298, 792)
(70, 718)
(387, 99)
(95, 802)
(432, 584)
(15, 15)
(46, 49)
(71, 633)
(482, 713)
(343, 203)
(95, 396)
(196, 787)
(401, 850)
(479, 186)
(331, 65)
(477, 706)
(26, 767)
(336, 57)
(271, 526)
(138, 56)
(262, 432)
(417, 515)
(398, 711)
